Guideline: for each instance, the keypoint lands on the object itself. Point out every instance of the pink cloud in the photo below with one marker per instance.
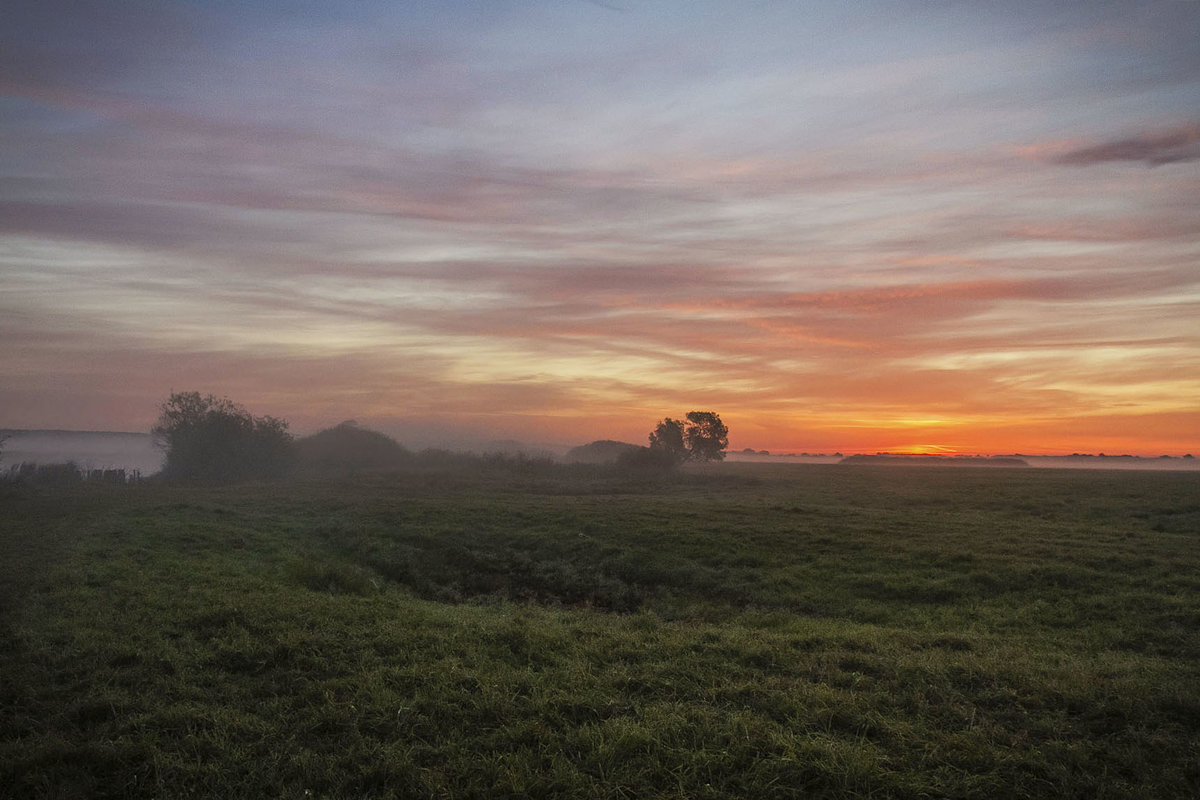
(1153, 148)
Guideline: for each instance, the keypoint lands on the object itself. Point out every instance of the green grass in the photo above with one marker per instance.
(741, 631)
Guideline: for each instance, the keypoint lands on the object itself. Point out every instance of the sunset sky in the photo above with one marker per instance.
(940, 226)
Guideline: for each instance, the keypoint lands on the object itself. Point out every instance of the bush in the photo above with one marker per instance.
(214, 440)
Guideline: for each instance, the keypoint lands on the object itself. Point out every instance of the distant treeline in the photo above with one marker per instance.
(67, 473)
(210, 439)
(346, 450)
(937, 461)
(340, 452)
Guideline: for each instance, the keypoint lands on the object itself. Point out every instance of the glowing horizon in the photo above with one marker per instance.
(893, 226)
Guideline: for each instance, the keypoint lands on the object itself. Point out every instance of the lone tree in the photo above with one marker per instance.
(703, 437)
(212, 439)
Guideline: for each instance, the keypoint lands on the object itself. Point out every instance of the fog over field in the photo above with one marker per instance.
(87, 449)
(1076, 461)
(137, 451)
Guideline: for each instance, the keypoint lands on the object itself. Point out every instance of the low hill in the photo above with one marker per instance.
(604, 451)
(347, 449)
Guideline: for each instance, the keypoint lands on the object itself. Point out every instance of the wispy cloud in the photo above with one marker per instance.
(511, 216)
(1153, 148)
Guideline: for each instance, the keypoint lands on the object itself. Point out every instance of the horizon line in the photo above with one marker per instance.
(764, 452)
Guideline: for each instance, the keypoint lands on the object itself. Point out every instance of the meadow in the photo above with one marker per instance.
(740, 630)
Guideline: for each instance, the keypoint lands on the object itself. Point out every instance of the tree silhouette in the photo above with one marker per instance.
(667, 442)
(215, 440)
(706, 436)
(702, 438)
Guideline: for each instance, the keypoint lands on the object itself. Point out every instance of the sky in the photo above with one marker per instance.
(875, 226)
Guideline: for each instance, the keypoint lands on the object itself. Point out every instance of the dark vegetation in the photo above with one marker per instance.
(674, 442)
(65, 473)
(348, 450)
(505, 628)
(210, 441)
(604, 451)
(214, 440)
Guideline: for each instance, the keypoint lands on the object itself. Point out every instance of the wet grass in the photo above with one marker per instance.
(747, 631)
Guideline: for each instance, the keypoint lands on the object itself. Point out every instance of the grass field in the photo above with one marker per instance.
(742, 631)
